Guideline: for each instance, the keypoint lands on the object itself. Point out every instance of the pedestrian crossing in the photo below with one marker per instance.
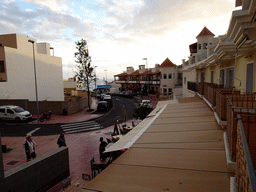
(80, 127)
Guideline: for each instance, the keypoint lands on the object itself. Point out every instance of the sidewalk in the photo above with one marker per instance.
(82, 146)
(83, 115)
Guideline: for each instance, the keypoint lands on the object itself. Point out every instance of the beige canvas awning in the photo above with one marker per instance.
(127, 140)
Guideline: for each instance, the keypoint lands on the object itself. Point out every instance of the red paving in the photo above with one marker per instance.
(82, 146)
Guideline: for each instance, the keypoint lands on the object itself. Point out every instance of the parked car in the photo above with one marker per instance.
(13, 112)
(109, 100)
(103, 105)
(147, 103)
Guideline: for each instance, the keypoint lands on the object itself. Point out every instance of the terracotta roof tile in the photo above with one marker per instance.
(136, 73)
(121, 75)
(167, 63)
(205, 32)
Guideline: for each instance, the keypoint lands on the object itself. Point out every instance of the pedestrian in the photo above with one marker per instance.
(30, 147)
(116, 132)
(102, 148)
(61, 140)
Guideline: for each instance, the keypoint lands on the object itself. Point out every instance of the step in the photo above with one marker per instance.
(85, 127)
(82, 130)
(79, 123)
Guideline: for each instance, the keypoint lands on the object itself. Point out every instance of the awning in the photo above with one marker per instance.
(126, 141)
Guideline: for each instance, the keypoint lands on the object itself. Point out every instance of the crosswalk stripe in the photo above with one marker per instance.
(80, 127)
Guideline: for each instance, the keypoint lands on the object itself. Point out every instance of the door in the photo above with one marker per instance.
(249, 78)
(229, 77)
(202, 77)
(10, 114)
(222, 77)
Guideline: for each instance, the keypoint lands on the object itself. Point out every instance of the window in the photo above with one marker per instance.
(164, 85)
(202, 76)
(165, 76)
(222, 77)
(2, 67)
(197, 77)
(205, 45)
(165, 91)
(170, 90)
(10, 111)
(212, 76)
(170, 76)
(199, 46)
(2, 110)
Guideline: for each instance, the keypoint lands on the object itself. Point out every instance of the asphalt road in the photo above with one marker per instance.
(13, 129)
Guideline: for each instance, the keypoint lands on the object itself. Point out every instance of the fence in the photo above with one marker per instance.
(246, 153)
(243, 104)
(212, 88)
(221, 101)
(192, 86)
(200, 88)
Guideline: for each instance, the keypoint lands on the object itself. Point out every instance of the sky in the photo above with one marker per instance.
(119, 33)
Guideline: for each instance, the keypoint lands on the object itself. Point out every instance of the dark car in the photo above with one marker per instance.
(103, 106)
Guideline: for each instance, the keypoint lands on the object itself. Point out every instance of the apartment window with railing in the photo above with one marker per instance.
(2, 70)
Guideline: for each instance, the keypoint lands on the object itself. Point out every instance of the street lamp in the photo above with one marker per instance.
(147, 76)
(95, 76)
(106, 76)
(37, 106)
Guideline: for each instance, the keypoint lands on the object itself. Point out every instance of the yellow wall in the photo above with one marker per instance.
(240, 69)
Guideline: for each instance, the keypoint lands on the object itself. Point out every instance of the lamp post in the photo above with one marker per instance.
(37, 106)
(106, 76)
(95, 77)
(147, 77)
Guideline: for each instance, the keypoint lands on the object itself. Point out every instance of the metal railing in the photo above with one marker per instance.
(241, 104)
(246, 153)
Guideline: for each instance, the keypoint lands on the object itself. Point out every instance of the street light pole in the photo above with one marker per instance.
(106, 77)
(147, 76)
(95, 77)
(37, 105)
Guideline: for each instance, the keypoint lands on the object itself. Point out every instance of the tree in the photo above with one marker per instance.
(84, 69)
(141, 112)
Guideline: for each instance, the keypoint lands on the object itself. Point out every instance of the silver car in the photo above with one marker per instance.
(13, 112)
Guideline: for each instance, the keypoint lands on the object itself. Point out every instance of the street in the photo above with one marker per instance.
(13, 129)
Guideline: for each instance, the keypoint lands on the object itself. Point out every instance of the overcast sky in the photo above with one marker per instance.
(119, 33)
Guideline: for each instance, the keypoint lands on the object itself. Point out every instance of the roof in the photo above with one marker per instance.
(205, 32)
(167, 63)
(134, 73)
(146, 73)
(121, 75)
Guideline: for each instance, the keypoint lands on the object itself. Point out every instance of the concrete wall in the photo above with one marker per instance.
(190, 76)
(168, 83)
(20, 82)
(39, 174)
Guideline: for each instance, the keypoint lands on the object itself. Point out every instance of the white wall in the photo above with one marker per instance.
(20, 74)
(190, 76)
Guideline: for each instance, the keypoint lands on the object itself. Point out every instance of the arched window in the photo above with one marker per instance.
(199, 46)
(170, 76)
(165, 76)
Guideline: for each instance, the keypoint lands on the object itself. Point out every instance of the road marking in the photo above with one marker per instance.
(33, 131)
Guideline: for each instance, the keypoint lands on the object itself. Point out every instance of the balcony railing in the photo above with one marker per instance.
(242, 104)
(221, 101)
(192, 86)
(246, 153)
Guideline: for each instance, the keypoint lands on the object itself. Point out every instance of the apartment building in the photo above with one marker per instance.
(162, 79)
(17, 73)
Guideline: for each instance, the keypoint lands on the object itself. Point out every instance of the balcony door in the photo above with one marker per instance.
(249, 77)
(230, 77)
(202, 77)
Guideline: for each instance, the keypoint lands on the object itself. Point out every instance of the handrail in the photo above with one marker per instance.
(248, 159)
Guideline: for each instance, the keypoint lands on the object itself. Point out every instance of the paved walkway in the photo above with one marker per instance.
(181, 150)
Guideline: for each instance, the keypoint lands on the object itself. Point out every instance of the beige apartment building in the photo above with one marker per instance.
(162, 79)
(17, 77)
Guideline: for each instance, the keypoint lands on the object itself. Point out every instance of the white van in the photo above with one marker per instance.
(13, 112)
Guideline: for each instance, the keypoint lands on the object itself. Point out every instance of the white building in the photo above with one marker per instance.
(17, 80)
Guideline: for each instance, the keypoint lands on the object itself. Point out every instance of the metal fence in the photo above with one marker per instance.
(246, 153)
(243, 104)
